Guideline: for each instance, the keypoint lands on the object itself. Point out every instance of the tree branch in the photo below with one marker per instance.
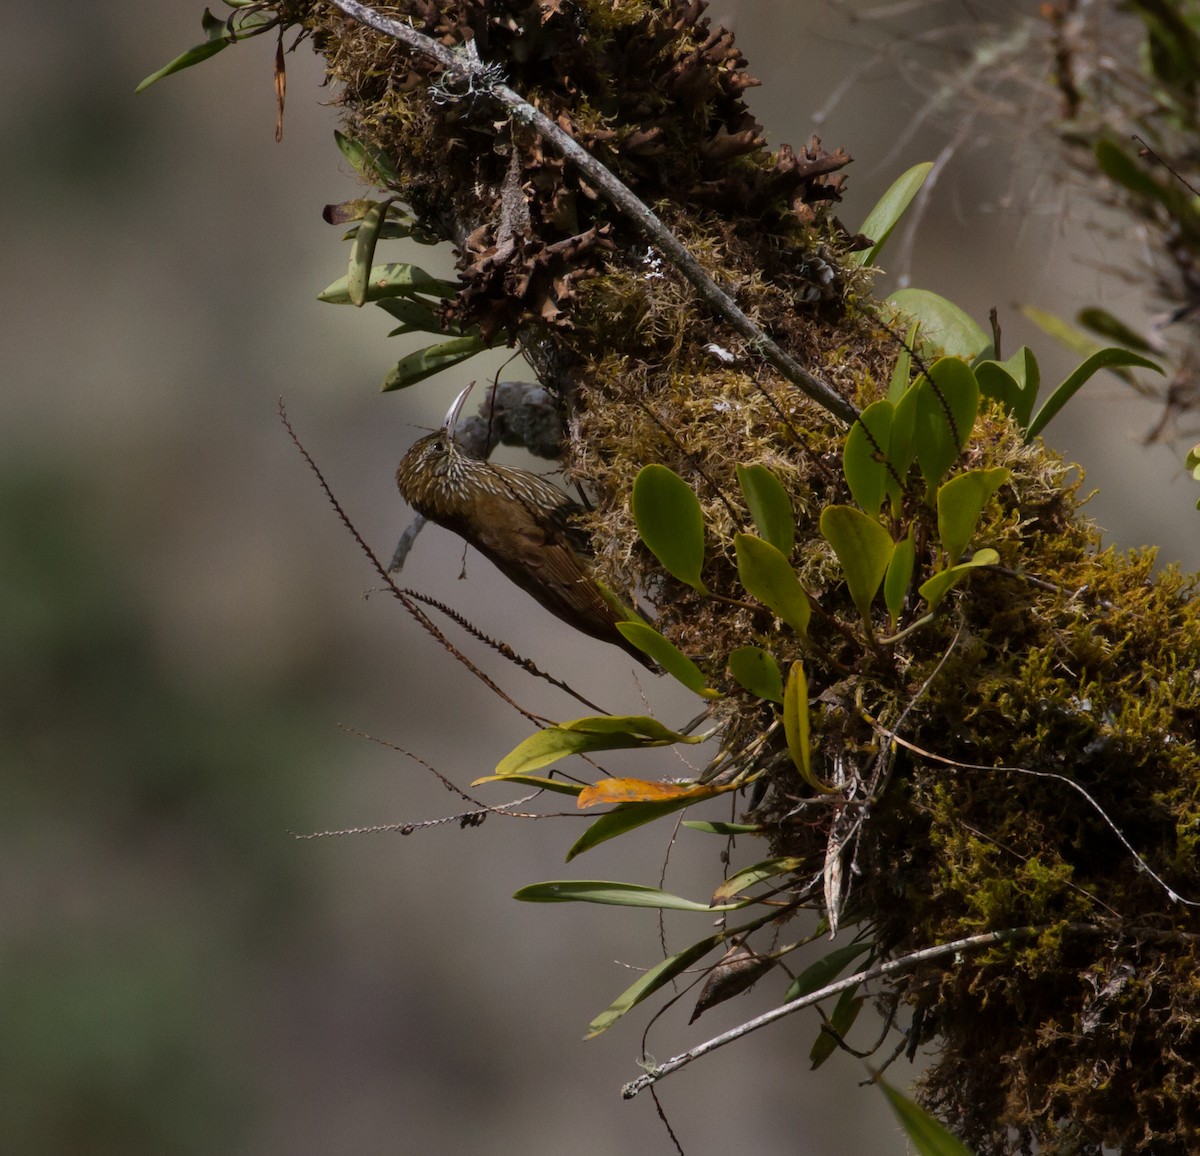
(891, 967)
(466, 66)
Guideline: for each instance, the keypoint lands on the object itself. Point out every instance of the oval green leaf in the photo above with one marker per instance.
(768, 576)
(942, 582)
(757, 671)
(960, 503)
(769, 506)
(864, 459)
(947, 404)
(899, 575)
(668, 656)
(598, 733)
(864, 549)
(670, 522)
(945, 329)
(629, 816)
(647, 984)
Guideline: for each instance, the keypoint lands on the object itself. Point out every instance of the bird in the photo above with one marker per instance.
(516, 519)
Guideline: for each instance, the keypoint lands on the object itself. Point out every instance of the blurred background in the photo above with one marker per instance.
(189, 664)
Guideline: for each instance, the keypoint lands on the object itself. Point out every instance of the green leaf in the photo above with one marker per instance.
(825, 970)
(395, 279)
(864, 549)
(371, 164)
(945, 328)
(603, 891)
(1062, 331)
(668, 656)
(558, 786)
(899, 575)
(717, 828)
(797, 727)
(947, 404)
(1119, 166)
(647, 984)
(902, 370)
(757, 671)
(960, 503)
(416, 314)
(627, 817)
(671, 523)
(928, 1135)
(841, 1020)
(430, 360)
(942, 582)
(1103, 359)
(768, 576)
(196, 55)
(757, 873)
(864, 459)
(769, 506)
(218, 36)
(362, 252)
(881, 220)
(1013, 383)
(595, 733)
(1113, 329)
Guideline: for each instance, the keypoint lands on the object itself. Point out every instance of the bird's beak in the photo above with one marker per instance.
(455, 410)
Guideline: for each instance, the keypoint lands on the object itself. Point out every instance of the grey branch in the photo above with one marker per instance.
(891, 967)
(467, 67)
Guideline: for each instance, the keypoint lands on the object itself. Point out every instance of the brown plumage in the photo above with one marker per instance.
(515, 518)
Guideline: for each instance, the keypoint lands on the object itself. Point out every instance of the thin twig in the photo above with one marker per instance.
(1143, 866)
(891, 967)
(464, 66)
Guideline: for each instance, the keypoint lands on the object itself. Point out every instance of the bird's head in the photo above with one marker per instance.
(431, 474)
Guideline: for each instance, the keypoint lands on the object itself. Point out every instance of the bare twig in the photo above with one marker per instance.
(880, 971)
(466, 67)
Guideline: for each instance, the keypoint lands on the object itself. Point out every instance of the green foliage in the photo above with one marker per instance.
(928, 1136)
(947, 401)
(934, 590)
(882, 219)
(1102, 359)
(863, 548)
(757, 672)
(769, 577)
(668, 656)
(825, 970)
(960, 503)
(670, 522)
(769, 506)
(595, 733)
(945, 329)
(432, 359)
(607, 892)
(246, 21)
(841, 1020)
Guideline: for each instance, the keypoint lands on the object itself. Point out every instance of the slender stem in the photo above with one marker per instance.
(463, 66)
(891, 967)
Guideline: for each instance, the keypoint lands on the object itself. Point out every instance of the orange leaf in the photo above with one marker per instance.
(645, 791)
